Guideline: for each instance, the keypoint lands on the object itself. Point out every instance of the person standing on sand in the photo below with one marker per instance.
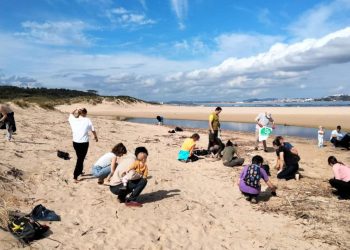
(214, 127)
(81, 125)
(134, 187)
(320, 136)
(341, 180)
(8, 118)
(262, 120)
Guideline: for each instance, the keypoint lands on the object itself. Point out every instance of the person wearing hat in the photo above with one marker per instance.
(262, 120)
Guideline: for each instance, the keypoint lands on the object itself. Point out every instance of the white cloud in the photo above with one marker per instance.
(194, 46)
(128, 19)
(63, 33)
(321, 20)
(180, 7)
(242, 45)
(282, 62)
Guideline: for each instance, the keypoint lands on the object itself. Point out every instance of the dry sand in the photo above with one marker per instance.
(329, 117)
(186, 206)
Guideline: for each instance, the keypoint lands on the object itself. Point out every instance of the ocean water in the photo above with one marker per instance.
(310, 133)
(273, 104)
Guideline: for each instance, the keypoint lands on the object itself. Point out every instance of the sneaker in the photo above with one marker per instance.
(248, 198)
(123, 188)
(133, 204)
(254, 200)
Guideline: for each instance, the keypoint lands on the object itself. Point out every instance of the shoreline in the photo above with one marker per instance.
(309, 117)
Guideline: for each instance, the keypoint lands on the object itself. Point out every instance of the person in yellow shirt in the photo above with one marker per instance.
(186, 152)
(214, 127)
(137, 170)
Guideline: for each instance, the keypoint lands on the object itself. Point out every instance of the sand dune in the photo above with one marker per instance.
(186, 206)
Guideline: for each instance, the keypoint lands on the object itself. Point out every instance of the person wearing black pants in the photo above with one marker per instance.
(214, 125)
(341, 180)
(134, 187)
(342, 187)
(287, 159)
(81, 150)
(288, 172)
(81, 125)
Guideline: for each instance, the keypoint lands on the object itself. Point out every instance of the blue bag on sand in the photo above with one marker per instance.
(42, 213)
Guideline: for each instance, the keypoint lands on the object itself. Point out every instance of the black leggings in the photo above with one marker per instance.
(81, 150)
(289, 172)
(342, 187)
(134, 187)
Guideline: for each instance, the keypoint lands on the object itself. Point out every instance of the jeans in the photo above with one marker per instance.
(101, 172)
(81, 150)
(288, 172)
(234, 162)
(134, 187)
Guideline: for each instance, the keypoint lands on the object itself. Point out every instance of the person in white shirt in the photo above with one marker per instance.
(338, 139)
(81, 125)
(102, 167)
(262, 120)
(320, 136)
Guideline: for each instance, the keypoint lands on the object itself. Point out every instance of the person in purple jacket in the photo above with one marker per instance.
(249, 180)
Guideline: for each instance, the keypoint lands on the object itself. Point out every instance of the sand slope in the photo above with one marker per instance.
(186, 206)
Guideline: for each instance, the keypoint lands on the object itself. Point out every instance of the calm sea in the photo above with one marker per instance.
(273, 104)
(310, 133)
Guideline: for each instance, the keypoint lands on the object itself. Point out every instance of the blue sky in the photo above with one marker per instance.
(178, 49)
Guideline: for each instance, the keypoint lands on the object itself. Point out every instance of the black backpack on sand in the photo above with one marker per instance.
(26, 229)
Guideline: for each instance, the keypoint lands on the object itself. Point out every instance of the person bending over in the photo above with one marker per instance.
(287, 159)
(102, 167)
(230, 157)
(187, 148)
(341, 180)
(134, 187)
(249, 180)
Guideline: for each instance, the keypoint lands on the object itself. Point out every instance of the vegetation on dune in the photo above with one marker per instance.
(49, 98)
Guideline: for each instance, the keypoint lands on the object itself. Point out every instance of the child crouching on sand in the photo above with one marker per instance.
(137, 170)
(186, 152)
(249, 180)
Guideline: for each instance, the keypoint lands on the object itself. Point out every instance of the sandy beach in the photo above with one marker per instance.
(185, 206)
(328, 117)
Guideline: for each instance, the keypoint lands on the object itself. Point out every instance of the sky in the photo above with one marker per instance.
(178, 50)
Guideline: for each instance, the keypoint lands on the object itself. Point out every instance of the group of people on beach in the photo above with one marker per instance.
(127, 176)
(126, 173)
(287, 157)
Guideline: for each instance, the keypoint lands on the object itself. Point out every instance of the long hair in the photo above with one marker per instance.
(119, 149)
(332, 160)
